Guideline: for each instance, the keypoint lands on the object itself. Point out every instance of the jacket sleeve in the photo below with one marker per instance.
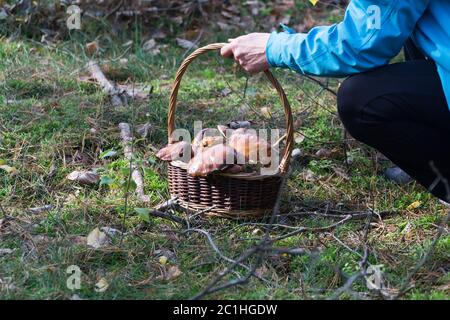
(372, 33)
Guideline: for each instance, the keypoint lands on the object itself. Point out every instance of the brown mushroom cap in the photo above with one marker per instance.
(211, 159)
(176, 151)
(249, 147)
(206, 138)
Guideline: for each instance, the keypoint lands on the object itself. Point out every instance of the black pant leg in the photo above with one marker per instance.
(412, 52)
(401, 111)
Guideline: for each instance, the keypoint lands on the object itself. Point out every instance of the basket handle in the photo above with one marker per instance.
(284, 163)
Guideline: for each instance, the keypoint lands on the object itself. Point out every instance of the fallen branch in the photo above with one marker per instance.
(118, 99)
(127, 142)
(164, 215)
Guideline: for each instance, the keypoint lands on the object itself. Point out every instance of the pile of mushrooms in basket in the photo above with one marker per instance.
(233, 149)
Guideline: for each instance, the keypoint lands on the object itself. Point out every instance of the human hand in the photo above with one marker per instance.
(249, 51)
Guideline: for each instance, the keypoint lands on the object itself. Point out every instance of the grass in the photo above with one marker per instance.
(46, 122)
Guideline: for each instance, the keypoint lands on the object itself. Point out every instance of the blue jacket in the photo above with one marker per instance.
(362, 41)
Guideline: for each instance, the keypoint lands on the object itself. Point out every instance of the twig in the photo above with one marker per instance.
(164, 215)
(127, 141)
(321, 84)
(117, 97)
(405, 286)
(215, 248)
(260, 249)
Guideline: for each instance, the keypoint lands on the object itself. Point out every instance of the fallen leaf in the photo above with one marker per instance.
(151, 47)
(414, 205)
(186, 44)
(299, 137)
(101, 286)
(97, 239)
(8, 169)
(84, 177)
(310, 176)
(165, 252)
(92, 47)
(265, 111)
(172, 273)
(323, 153)
(163, 260)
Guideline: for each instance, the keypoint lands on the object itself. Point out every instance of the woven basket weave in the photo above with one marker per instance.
(220, 194)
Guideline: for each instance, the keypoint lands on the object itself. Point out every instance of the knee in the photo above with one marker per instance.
(349, 105)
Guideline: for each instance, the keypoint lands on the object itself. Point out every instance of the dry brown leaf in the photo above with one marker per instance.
(92, 47)
(265, 111)
(97, 239)
(323, 153)
(151, 47)
(186, 44)
(172, 273)
(84, 177)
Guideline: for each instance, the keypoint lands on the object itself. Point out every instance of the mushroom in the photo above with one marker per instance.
(206, 138)
(180, 150)
(215, 158)
(249, 147)
(233, 169)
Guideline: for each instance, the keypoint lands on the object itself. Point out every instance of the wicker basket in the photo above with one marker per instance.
(220, 194)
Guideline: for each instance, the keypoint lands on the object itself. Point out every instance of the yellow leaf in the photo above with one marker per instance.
(163, 260)
(102, 285)
(414, 205)
(266, 112)
(314, 2)
(8, 169)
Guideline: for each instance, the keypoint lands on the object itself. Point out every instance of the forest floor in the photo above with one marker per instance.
(52, 122)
